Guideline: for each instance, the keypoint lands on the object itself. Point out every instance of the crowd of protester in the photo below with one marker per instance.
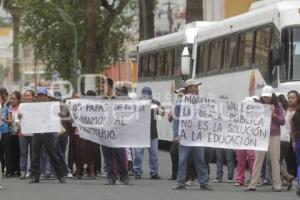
(45, 155)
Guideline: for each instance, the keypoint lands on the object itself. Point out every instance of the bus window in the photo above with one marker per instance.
(177, 63)
(291, 41)
(152, 65)
(199, 70)
(215, 55)
(245, 49)
(169, 62)
(230, 52)
(140, 66)
(143, 65)
(262, 46)
(203, 58)
(160, 64)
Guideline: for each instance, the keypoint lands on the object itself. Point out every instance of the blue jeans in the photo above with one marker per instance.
(46, 167)
(25, 142)
(199, 161)
(153, 159)
(223, 154)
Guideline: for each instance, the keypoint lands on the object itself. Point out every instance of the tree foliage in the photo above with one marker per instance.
(56, 30)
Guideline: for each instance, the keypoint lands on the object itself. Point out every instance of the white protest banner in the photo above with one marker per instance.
(224, 123)
(113, 123)
(40, 117)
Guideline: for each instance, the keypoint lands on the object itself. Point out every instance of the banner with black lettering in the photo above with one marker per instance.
(113, 123)
(224, 123)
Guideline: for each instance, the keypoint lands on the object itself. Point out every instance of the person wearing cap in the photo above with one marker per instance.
(191, 88)
(277, 120)
(146, 93)
(50, 143)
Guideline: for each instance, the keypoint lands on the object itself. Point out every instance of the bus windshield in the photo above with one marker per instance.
(291, 68)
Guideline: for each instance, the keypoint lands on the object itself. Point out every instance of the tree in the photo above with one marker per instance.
(61, 31)
(146, 15)
(15, 11)
(194, 10)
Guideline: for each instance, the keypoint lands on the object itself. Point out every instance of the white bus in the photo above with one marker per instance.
(236, 57)
(232, 58)
(159, 67)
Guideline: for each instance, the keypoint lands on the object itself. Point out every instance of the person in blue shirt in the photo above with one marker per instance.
(6, 120)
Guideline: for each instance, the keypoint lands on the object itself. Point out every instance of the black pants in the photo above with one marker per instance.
(6, 145)
(49, 140)
(61, 147)
(175, 159)
(15, 153)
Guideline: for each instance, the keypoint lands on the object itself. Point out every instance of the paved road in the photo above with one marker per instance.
(144, 189)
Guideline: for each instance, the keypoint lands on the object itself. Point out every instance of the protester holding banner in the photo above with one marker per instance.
(296, 142)
(6, 120)
(146, 93)
(110, 153)
(191, 87)
(277, 120)
(49, 142)
(25, 141)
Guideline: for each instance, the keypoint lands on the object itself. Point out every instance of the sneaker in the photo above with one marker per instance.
(61, 179)
(49, 177)
(179, 187)
(230, 181)
(125, 180)
(238, 184)
(189, 183)
(205, 187)
(69, 175)
(266, 182)
(137, 176)
(217, 180)
(156, 177)
(23, 175)
(28, 174)
(276, 190)
(172, 178)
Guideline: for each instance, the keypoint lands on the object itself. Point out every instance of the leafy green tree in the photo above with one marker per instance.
(59, 32)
